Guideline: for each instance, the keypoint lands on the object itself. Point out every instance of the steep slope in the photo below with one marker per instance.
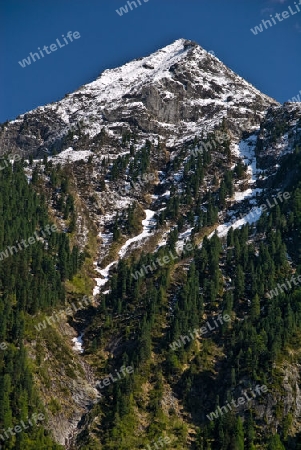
(173, 93)
(153, 155)
(172, 98)
(184, 382)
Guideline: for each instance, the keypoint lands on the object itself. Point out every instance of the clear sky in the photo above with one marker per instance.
(271, 60)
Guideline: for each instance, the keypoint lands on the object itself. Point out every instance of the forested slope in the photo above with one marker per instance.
(31, 281)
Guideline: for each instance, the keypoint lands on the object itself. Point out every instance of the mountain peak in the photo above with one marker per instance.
(139, 68)
(176, 93)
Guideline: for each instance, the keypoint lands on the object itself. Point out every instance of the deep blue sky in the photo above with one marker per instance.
(271, 60)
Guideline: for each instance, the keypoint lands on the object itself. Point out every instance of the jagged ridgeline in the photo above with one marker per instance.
(31, 274)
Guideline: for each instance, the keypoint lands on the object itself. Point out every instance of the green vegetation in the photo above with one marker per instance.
(30, 282)
(148, 313)
(172, 388)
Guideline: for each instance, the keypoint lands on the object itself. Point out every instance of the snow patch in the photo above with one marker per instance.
(78, 343)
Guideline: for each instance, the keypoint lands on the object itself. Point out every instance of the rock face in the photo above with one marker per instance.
(175, 93)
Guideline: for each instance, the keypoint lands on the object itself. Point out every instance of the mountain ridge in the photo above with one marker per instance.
(153, 99)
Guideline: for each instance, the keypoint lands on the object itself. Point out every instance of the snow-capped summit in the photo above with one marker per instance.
(174, 93)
